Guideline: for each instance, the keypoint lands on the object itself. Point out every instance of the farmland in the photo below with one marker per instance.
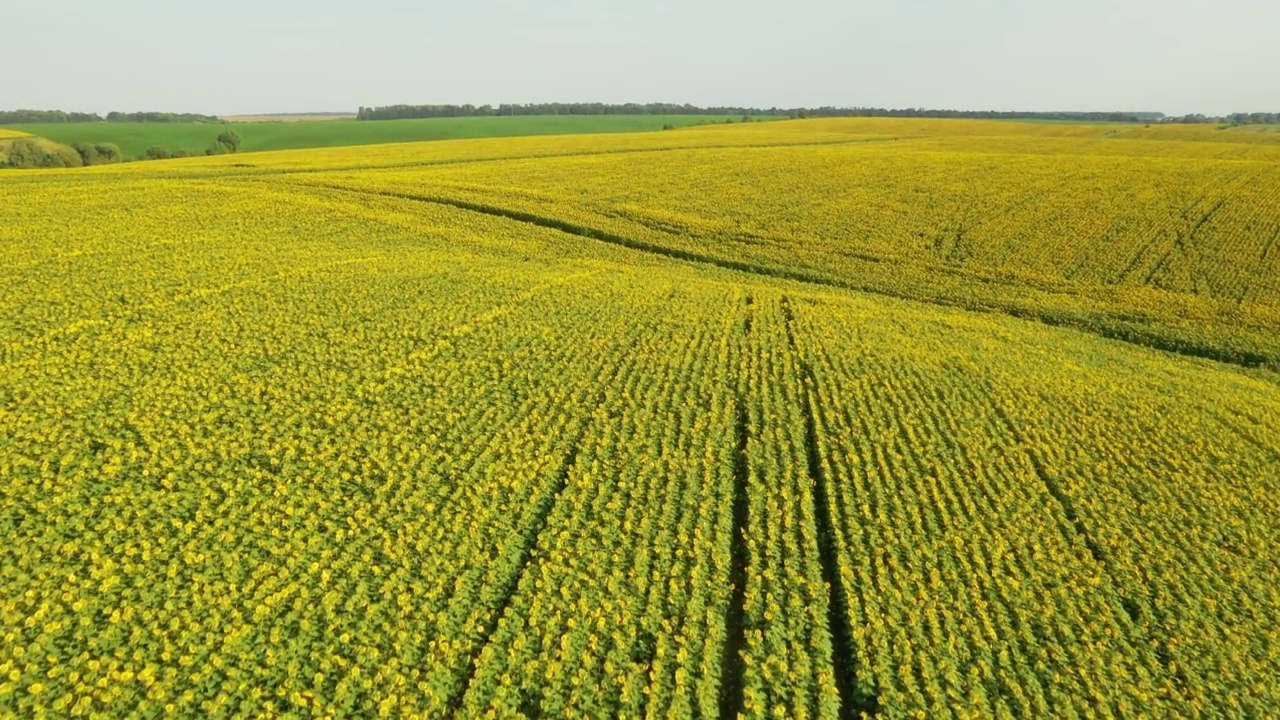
(135, 138)
(817, 419)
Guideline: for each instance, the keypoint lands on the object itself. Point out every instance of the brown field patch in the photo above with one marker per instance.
(284, 118)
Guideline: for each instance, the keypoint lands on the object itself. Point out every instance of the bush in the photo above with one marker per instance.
(108, 153)
(28, 153)
(227, 142)
(100, 154)
(88, 153)
(158, 152)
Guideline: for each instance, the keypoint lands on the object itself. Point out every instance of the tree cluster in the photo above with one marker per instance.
(33, 153)
(22, 117)
(1257, 118)
(162, 117)
(30, 153)
(97, 153)
(226, 143)
(16, 117)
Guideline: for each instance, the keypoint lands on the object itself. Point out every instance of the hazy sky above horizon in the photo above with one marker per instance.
(236, 56)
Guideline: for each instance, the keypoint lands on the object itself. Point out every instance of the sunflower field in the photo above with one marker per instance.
(809, 419)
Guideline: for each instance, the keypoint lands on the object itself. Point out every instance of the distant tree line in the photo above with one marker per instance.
(1133, 117)
(15, 117)
(161, 117)
(1254, 119)
(400, 112)
(22, 117)
(1232, 119)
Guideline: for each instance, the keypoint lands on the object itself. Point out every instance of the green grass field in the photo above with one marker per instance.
(135, 138)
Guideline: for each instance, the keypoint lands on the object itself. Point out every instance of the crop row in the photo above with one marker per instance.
(1027, 532)
(303, 485)
(1172, 251)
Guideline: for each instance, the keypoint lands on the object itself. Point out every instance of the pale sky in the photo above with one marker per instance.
(237, 56)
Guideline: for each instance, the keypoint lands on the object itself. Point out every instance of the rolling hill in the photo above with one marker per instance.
(136, 138)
